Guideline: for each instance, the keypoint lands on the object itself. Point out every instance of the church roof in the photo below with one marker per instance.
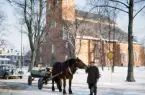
(99, 30)
(89, 15)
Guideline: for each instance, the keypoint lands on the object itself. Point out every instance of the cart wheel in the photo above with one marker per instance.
(21, 77)
(30, 80)
(40, 83)
(6, 77)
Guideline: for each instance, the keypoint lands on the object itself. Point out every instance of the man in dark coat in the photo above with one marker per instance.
(93, 76)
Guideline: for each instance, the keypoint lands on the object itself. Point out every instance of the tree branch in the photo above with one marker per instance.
(9, 1)
(138, 1)
(109, 7)
(138, 11)
(120, 3)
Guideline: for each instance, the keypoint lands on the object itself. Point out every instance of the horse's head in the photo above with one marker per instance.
(80, 64)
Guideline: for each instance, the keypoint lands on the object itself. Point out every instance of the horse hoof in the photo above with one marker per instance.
(64, 92)
(53, 89)
(70, 93)
(60, 90)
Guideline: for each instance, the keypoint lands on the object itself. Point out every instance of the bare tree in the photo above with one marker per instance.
(107, 32)
(128, 7)
(2, 18)
(72, 30)
(33, 17)
(112, 33)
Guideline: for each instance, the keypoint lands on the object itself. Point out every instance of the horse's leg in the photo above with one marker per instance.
(59, 85)
(70, 81)
(64, 85)
(53, 89)
(60, 88)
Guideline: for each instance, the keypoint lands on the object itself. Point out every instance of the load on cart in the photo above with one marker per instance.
(42, 73)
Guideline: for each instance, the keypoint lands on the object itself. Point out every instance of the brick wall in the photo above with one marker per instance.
(120, 53)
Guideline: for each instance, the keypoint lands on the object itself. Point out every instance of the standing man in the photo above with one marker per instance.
(93, 76)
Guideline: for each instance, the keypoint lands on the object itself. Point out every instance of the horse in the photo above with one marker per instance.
(65, 70)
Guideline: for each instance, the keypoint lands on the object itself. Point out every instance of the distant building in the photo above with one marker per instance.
(27, 58)
(4, 60)
(10, 56)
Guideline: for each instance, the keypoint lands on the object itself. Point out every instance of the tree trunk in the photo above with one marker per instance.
(102, 53)
(32, 49)
(31, 65)
(114, 50)
(130, 74)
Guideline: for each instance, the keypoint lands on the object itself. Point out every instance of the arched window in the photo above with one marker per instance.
(64, 33)
(66, 44)
(52, 23)
(53, 48)
(136, 57)
(41, 49)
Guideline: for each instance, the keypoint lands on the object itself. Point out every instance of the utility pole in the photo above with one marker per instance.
(21, 49)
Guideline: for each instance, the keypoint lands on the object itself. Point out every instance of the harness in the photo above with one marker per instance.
(61, 73)
(70, 71)
(55, 75)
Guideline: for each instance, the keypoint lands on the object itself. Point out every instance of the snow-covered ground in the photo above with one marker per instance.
(109, 84)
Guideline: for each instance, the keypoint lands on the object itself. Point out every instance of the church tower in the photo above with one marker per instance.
(55, 47)
(68, 10)
(61, 9)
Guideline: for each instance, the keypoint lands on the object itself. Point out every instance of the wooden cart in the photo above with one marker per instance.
(43, 75)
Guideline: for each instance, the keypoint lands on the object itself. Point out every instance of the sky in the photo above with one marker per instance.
(12, 26)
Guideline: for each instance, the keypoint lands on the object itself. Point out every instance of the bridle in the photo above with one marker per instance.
(71, 71)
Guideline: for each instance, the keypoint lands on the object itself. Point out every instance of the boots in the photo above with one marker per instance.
(91, 93)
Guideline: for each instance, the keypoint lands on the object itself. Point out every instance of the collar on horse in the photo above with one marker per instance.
(70, 71)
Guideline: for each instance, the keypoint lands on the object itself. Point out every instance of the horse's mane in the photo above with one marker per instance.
(61, 66)
(69, 62)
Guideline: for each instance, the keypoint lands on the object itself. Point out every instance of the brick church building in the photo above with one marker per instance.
(74, 32)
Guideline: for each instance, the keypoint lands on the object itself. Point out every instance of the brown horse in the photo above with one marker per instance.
(65, 70)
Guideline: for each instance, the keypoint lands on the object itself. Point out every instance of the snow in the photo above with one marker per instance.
(109, 84)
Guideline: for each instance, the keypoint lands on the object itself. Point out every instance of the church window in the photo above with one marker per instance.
(52, 23)
(53, 48)
(64, 34)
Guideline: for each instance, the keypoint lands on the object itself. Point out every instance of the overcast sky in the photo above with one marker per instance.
(12, 27)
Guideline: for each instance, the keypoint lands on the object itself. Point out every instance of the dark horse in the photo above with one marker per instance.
(65, 70)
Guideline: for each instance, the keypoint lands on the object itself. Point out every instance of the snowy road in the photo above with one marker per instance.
(109, 84)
